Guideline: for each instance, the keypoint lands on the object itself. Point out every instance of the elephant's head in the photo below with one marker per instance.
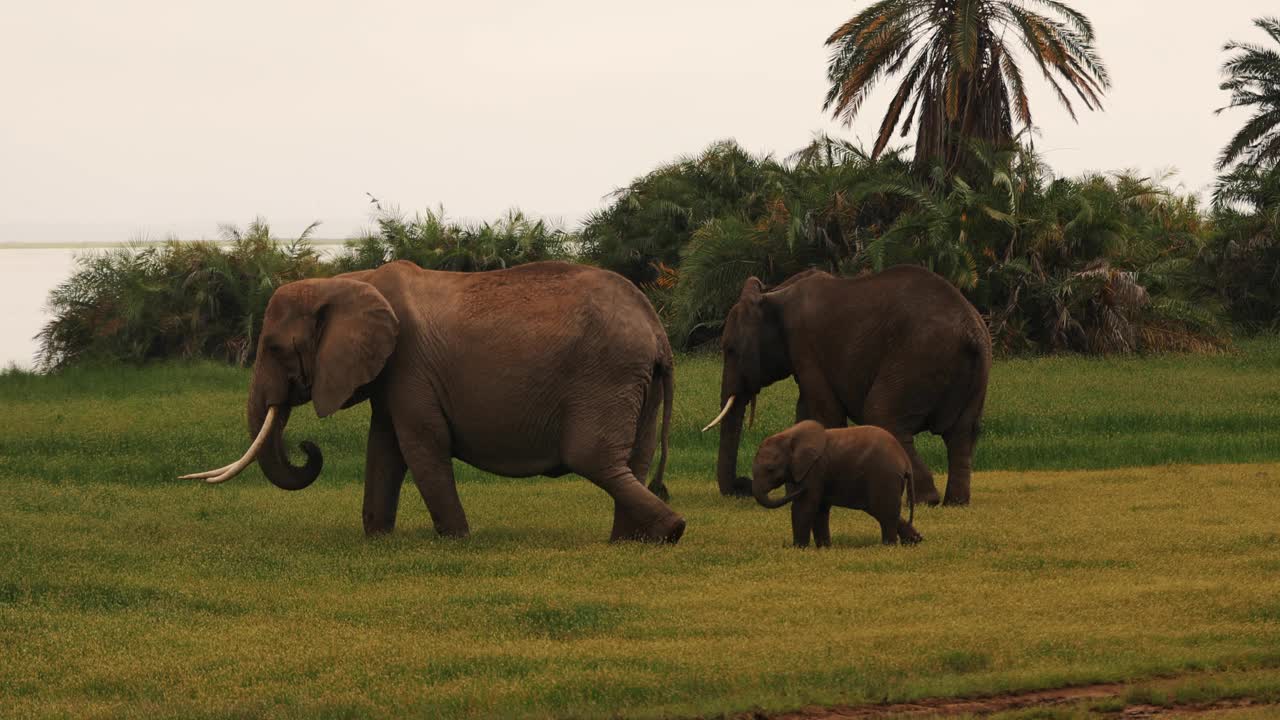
(755, 356)
(321, 341)
(788, 457)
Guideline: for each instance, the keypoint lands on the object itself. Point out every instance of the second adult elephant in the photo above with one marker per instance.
(543, 369)
(902, 349)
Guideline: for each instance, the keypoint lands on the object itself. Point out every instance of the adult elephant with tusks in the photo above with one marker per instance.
(543, 369)
(902, 349)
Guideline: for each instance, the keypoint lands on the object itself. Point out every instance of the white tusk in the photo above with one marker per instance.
(227, 472)
(206, 473)
(728, 404)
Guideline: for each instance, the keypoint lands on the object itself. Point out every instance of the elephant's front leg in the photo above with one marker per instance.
(817, 401)
(434, 477)
(384, 469)
(426, 448)
(804, 512)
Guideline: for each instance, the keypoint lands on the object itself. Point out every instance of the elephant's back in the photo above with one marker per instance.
(554, 318)
(905, 311)
(903, 291)
(546, 287)
(877, 445)
(533, 322)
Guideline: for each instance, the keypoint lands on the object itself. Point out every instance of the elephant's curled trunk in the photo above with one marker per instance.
(761, 494)
(274, 457)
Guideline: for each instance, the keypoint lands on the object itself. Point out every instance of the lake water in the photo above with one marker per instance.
(26, 277)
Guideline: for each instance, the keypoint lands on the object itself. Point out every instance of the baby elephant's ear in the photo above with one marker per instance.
(357, 334)
(809, 446)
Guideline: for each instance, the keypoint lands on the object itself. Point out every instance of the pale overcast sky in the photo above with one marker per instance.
(132, 117)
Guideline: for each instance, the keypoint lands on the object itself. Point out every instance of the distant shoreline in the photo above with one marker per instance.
(127, 243)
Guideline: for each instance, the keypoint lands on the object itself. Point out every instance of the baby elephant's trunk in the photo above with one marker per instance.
(761, 494)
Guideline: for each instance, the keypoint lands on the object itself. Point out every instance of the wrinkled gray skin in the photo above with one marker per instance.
(863, 468)
(902, 350)
(543, 369)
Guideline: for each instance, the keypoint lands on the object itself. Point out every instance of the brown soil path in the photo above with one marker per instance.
(1060, 697)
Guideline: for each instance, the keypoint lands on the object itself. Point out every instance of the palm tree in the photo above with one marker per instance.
(961, 77)
(1253, 78)
(1244, 256)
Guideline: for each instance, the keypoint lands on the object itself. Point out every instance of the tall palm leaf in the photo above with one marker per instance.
(958, 60)
(1253, 79)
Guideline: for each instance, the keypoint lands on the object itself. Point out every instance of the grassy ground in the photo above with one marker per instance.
(124, 592)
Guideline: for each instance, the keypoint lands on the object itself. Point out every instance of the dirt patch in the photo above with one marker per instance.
(953, 707)
(1222, 706)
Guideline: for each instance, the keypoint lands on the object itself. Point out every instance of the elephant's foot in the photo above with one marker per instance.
(928, 497)
(907, 535)
(375, 526)
(455, 531)
(739, 487)
(955, 500)
(661, 491)
(666, 529)
(669, 531)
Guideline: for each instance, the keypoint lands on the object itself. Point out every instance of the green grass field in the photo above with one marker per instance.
(1109, 539)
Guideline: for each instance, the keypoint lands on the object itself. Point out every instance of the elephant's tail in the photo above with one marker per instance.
(911, 497)
(980, 373)
(668, 402)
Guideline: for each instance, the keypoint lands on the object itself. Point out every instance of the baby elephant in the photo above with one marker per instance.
(859, 467)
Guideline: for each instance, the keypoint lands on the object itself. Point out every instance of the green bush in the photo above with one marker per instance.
(206, 300)
(1094, 264)
(432, 242)
(177, 299)
(1098, 264)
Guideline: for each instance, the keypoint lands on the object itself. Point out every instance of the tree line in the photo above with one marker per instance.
(1098, 263)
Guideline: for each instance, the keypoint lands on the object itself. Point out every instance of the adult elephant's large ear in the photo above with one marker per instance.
(358, 331)
(748, 333)
(808, 449)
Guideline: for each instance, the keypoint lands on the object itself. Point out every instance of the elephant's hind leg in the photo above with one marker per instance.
(384, 469)
(922, 476)
(637, 513)
(907, 534)
(888, 530)
(822, 526)
(599, 443)
(886, 408)
(959, 466)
